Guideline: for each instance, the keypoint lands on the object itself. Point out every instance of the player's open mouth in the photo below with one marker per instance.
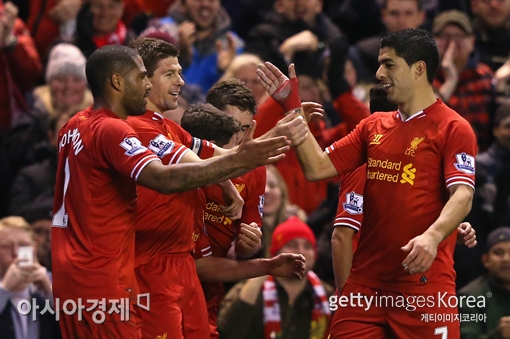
(175, 94)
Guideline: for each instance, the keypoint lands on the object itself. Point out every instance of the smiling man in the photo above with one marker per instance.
(412, 207)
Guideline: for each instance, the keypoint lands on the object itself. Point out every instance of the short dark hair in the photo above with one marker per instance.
(231, 92)
(207, 122)
(153, 51)
(104, 62)
(414, 45)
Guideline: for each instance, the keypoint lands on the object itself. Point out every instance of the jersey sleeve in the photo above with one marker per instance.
(459, 152)
(349, 153)
(122, 149)
(350, 204)
(203, 148)
(254, 204)
(202, 244)
(167, 150)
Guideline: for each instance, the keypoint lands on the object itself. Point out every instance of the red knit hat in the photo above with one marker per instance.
(289, 230)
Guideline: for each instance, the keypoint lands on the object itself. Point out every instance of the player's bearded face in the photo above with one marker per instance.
(134, 99)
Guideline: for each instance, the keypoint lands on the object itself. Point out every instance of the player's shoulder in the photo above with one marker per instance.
(256, 174)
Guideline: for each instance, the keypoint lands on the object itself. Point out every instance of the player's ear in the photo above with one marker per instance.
(420, 69)
(117, 81)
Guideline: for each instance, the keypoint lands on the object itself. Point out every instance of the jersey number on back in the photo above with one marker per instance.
(60, 218)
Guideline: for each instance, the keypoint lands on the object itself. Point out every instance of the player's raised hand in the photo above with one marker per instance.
(255, 152)
(422, 252)
(466, 235)
(288, 265)
(279, 86)
(294, 128)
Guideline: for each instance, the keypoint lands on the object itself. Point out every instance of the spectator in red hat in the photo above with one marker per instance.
(271, 307)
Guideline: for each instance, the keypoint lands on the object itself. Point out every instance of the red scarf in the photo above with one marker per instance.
(116, 38)
(321, 314)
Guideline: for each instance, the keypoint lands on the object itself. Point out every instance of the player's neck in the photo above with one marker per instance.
(421, 100)
(111, 105)
(152, 107)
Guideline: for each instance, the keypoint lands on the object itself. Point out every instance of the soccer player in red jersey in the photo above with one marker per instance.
(419, 187)
(165, 224)
(100, 161)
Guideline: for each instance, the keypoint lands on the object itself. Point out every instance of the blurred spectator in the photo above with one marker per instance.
(359, 19)
(273, 307)
(66, 90)
(41, 227)
(493, 288)
(492, 30)
(294, 31)
(204, 38)
(277, 207)
(99, 24)
(32, 190)
(501, 83)
(491, 201)
(244, 67)
(52, 20)
(463, 82)
(395, 15)
(23, 282)
(20, 67)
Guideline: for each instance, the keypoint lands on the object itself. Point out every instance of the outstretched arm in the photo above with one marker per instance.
(250, 154)
(315, 163)
(215, 269)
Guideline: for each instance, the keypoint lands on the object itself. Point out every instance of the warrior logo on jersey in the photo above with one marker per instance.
(353, 203)
(133, 146)
(161, 146)
(261, 205)
(465, 163)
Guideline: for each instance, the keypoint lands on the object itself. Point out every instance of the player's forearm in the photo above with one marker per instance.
(452, 214)
(184, 177)
(314, 162)
(244, 251)
(341, 246)
(215, 269)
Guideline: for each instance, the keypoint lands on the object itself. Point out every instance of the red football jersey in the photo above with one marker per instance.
(100, 158)
(410, 165)
(222, 230)
(350, 202)
(163, 222)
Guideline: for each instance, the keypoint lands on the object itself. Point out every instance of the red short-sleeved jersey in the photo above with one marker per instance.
(350, 202)
(222, 230)
(410, 165)
(100, 158)
(163, 223)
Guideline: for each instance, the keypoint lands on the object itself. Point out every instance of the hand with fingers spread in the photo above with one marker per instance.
(288, 265)
(466, 235)
(248, 240)
(292, 127)
(281, 88)
(422, 252)
(225, 53)
(234, 209)
(255, 152)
